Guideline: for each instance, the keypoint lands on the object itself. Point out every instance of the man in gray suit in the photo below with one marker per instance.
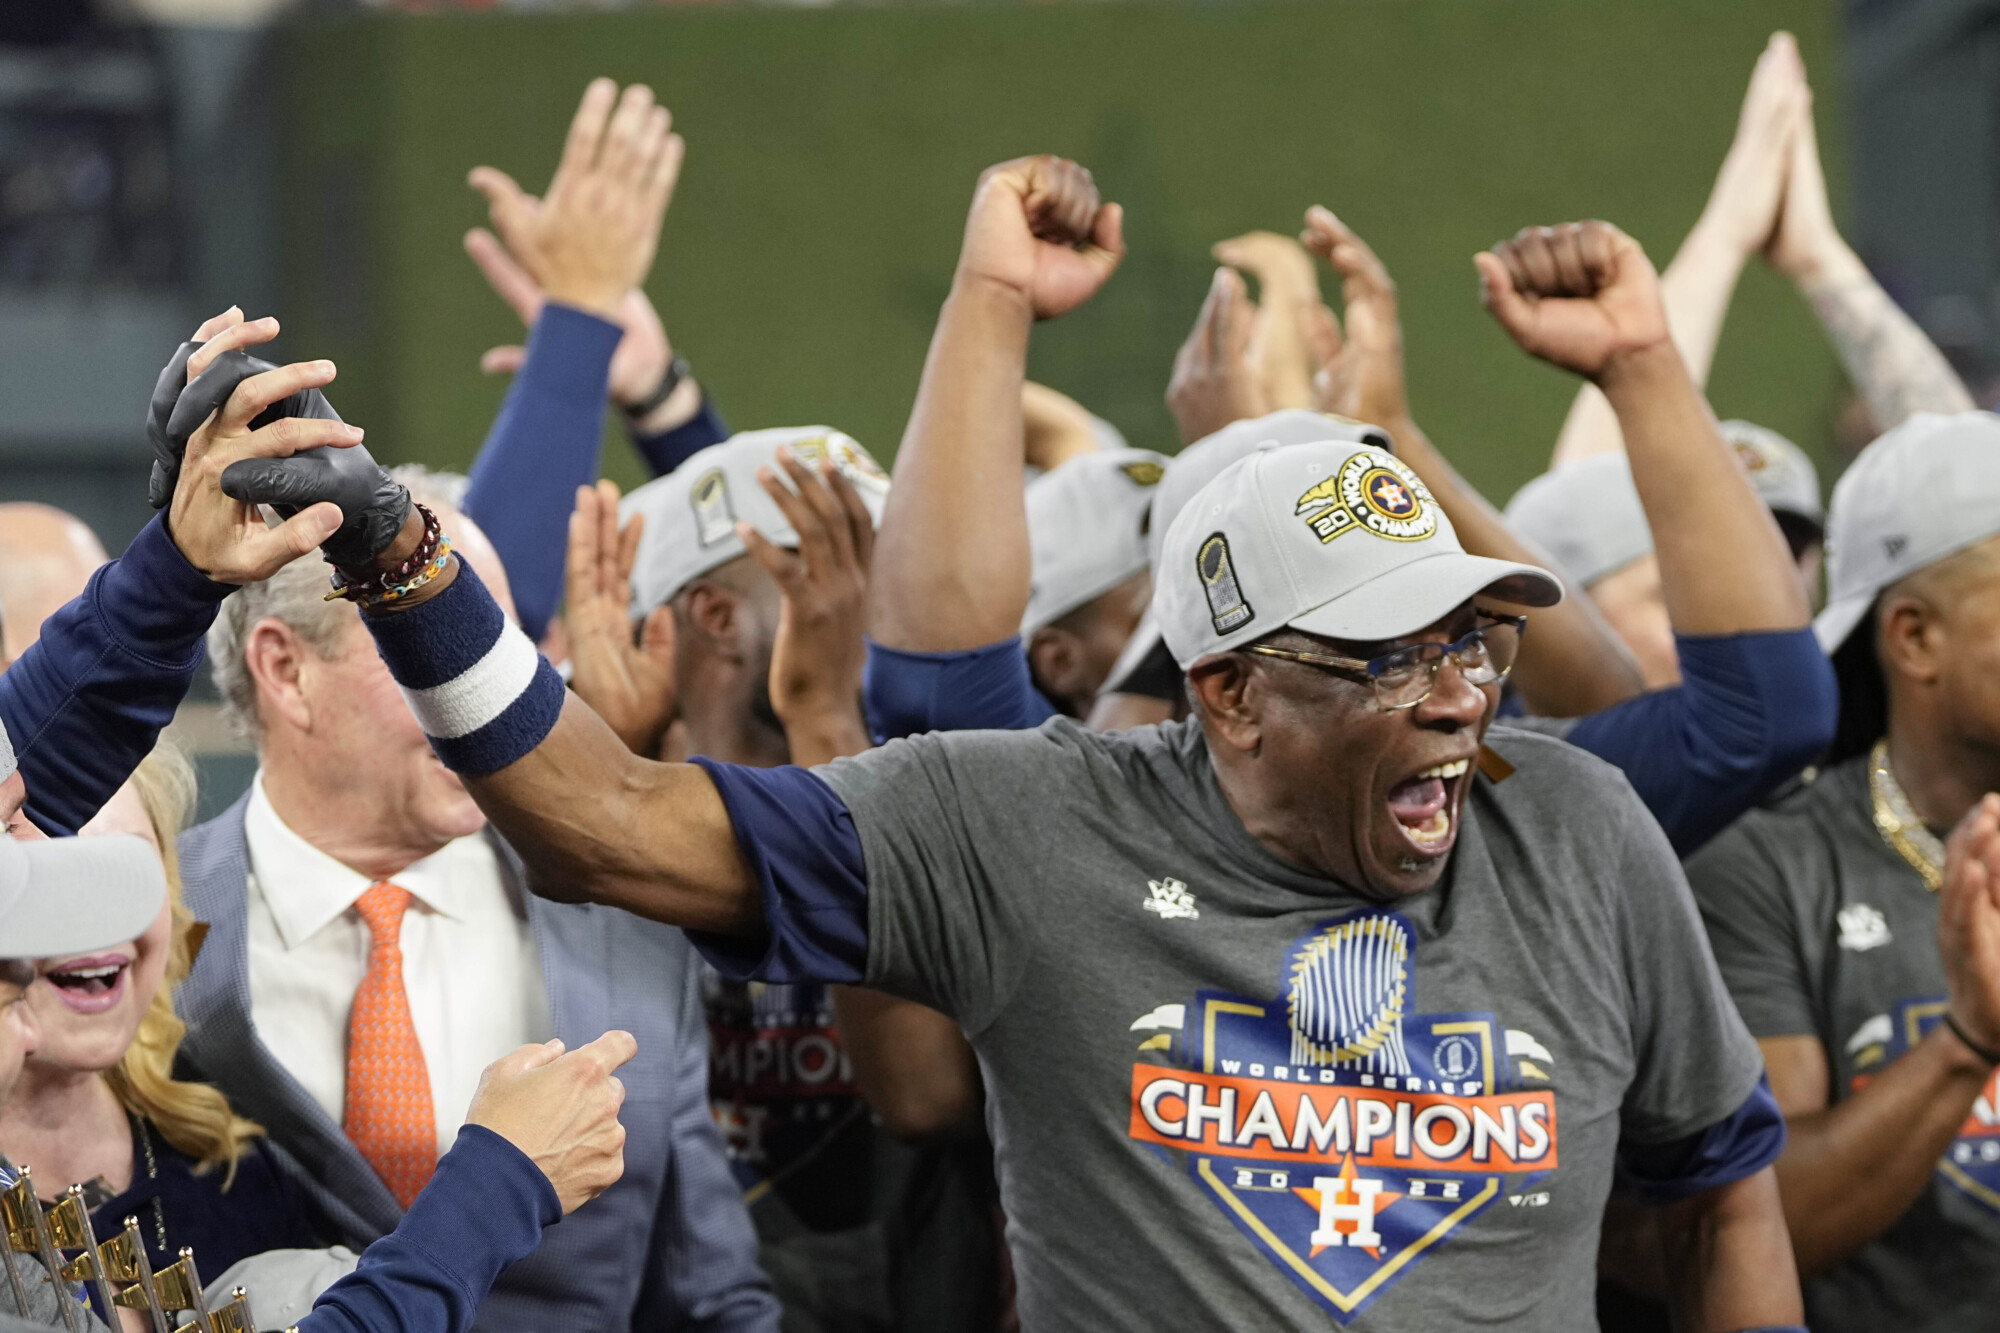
(371, 949)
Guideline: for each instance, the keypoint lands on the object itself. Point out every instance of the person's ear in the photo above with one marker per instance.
(1911, 637)
(717, 614)
(277, 660)
(1055, 656)
(1230, 693)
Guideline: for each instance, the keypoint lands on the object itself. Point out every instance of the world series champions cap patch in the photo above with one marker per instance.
(1371, 491)
(714, 521)
(1226, 607)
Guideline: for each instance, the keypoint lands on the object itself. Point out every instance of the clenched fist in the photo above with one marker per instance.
(1038, 227)
(1581, 295)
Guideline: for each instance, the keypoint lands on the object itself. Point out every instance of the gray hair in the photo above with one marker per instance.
(295, 596)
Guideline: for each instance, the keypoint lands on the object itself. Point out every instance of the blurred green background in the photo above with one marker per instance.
(831, 155)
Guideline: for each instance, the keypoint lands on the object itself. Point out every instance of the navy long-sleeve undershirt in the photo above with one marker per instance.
(86, 702)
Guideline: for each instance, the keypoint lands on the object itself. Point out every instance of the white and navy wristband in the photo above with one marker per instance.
(482, 693)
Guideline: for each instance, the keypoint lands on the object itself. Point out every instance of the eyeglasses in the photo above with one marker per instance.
(1406, 677)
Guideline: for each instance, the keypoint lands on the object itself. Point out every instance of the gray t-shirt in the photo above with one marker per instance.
(1227, 1094)
(1822, 930)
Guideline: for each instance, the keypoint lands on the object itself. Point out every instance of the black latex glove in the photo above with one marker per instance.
(373, 503)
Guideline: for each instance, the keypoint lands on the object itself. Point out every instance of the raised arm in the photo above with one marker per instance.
(1572, 663)
(571, 266)
(86, 702)
(1584, 297)
(1889, 360)
(1739, 219)
(593, 821)
(951, 568)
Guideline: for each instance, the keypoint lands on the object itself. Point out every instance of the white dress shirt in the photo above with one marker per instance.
(469, 963)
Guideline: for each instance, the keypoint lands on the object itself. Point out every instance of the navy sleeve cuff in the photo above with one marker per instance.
(977, 689)
(1750, 712)
(569, 354)
(485, 1208)
(87, 701)
(1732, 1149)
(154, 598)
(669, 449)
(801, 845)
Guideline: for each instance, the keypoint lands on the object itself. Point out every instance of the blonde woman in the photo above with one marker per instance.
(98, 1103)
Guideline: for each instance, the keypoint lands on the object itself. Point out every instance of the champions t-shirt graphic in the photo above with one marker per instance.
(1346, 1138)
(1971, 1165)
(783, 1094)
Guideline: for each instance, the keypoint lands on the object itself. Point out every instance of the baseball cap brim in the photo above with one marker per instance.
(1413, 596)
(73, 895)
(1834, 625)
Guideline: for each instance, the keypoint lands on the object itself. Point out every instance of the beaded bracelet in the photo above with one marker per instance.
(389, 585)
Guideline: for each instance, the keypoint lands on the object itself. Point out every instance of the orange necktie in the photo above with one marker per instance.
(389, 1113)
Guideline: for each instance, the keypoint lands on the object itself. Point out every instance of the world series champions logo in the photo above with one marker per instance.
(1346, 1138)
(1970, 1166)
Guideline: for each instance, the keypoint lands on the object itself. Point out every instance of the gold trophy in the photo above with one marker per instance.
(29, 1229)
(28, 1233)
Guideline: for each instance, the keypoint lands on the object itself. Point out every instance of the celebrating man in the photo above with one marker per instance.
(1309, 1006)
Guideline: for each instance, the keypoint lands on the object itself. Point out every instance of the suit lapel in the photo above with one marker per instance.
(222, 1041)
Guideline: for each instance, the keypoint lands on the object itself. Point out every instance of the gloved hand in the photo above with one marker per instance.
(373, 503)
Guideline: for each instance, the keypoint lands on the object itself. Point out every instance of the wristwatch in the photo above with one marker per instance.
(677, 370)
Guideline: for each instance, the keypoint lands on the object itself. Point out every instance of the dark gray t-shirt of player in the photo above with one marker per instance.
(1226, 1094)
(1822, 930)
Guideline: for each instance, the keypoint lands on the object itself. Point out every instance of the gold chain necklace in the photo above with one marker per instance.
(1896, 820)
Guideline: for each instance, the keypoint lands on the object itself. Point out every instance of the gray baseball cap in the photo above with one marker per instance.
(1087, 529)
(691, 512)
(1335, 539)
(1586, 514)
(1785, 478)
(1926, 490)
(65, 896)
(1202, 462)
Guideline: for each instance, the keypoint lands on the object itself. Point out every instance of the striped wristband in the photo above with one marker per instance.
(481, 692)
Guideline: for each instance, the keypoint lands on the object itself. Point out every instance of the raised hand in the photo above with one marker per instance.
(630, 685)
(1805, 245)
(225, 537)
(1214, 380)
(817, 657)
(591, 238)
(640, 362)
(1581, 295)
(1742, 209)
(1038, 228)
(1287, 285)
(561, 1110)
(1969, 922)
(1360, 369)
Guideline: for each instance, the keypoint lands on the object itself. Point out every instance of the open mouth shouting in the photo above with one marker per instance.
(1424, 807)
(90, 985)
